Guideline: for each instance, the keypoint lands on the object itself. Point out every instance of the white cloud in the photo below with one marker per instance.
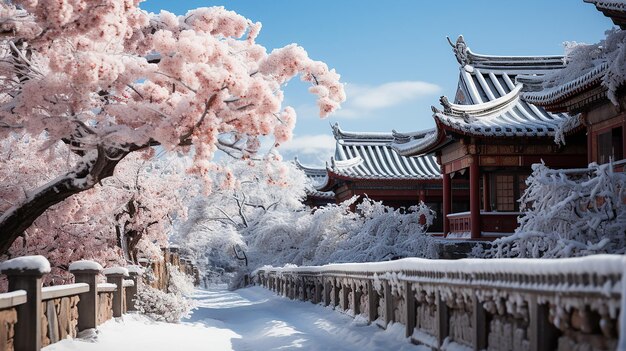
(310, 149)
(310, 144)
(363, 100)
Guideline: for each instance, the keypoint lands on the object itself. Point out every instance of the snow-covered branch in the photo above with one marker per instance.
(569, 213)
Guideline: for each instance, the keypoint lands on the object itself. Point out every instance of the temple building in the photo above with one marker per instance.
(317, 178)
(490, 137)
(364, 164)
(586, 96)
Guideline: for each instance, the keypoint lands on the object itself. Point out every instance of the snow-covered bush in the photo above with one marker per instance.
(168, 306)
(569, 213)
(161, 306)
(265, 217)
(334, 234)
(180, 283)
(387, 233)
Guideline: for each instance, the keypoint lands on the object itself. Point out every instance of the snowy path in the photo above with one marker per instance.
(245, 320)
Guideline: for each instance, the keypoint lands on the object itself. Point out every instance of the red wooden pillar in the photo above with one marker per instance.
(422, 198)
(591, 156)
(486, 193)
(474, 198)
(447, 202)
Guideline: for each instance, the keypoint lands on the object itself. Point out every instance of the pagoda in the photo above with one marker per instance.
(490, 137)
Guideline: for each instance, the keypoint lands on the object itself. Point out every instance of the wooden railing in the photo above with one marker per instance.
(470, 304)
(492, 224)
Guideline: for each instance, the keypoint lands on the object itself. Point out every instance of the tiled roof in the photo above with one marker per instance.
(561, 92)
(317, 175)
(615, 9)
(488, 104)
(370, 156)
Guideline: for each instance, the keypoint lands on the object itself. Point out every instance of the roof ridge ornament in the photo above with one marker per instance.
(336, 130)
(447, 107)
(461, 51)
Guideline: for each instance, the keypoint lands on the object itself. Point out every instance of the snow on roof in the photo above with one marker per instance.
(615, 9)
(317, 175)
(83, 265)
(364, 155)
(466, 57)
(597, 70)
(38, 263)
(498, 112)
(488, 102)
(561, 92)
(116, 270)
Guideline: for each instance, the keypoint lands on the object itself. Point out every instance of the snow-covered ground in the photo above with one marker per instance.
(244, 320)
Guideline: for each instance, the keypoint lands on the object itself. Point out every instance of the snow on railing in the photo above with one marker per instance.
(532, 304)
(42, 316)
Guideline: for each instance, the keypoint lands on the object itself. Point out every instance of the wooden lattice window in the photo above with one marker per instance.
(610, 145)
(505, 193)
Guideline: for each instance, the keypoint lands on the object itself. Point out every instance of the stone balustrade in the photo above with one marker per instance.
(471, 304)
(32, 317)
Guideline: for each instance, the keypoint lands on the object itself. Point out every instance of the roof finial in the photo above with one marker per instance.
(446, 104)
(336, 130)
(461, 51)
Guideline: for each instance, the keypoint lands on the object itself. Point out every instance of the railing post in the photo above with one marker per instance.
(372, 299)
(409, 298)
(303, 282)
(335, 293)
(356, 299)
(87, 272)
(327, 290)
(388, 303)
(443, 319)
(131, 292)
(318, 292)
(480, 324)
(344, 295)
(115, 275)
(542, 333)
(25, 273)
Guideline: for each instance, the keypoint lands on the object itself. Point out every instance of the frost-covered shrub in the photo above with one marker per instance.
(335, 234)
(168, 306)
(180, 283)
(569, 213)
(161, 306)
(387, 233)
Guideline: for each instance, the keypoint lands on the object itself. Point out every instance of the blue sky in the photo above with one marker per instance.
(393, 55)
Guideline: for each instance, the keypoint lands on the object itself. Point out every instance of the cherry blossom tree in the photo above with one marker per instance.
(125, 216)
(108, 79)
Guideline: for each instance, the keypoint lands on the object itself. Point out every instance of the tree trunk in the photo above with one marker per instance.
(85, 176)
